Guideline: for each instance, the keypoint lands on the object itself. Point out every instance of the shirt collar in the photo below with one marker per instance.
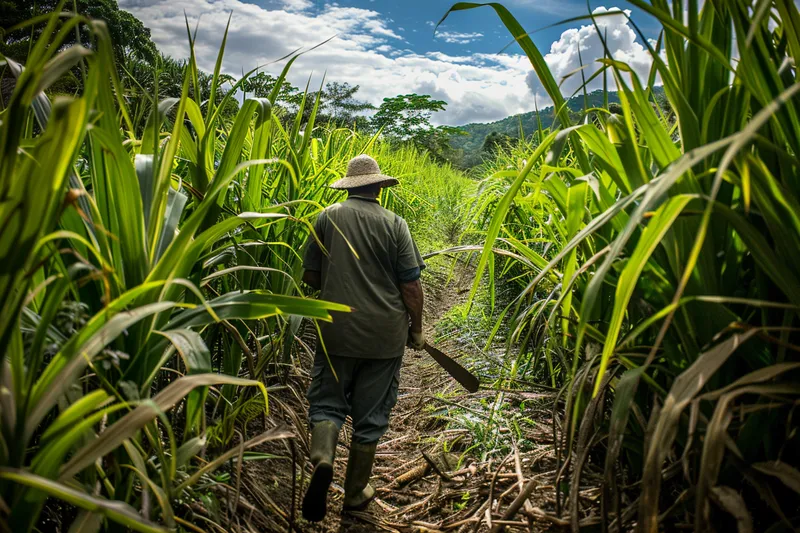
(364, 198)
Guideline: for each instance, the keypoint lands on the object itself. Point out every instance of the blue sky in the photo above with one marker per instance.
(533, 15)
(388, 47)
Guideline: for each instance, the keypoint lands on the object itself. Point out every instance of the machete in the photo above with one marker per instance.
(459, 373)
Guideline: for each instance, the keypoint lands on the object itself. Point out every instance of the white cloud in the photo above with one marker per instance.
(457, 37)
(440, 56)
(477, 88)
(565, 63)
(296, 5)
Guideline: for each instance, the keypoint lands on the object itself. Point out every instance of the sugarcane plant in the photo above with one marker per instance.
(656, 247)
(106, 289)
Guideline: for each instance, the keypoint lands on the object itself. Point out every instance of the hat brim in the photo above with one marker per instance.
(354, 182)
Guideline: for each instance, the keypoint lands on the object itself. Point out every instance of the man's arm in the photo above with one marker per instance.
(414, 299)
(313, 278)
(312, 260)
(409, 265)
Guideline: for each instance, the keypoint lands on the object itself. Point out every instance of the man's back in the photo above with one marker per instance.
(369, 250)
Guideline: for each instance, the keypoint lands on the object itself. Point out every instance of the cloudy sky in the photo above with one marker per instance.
(388, 47)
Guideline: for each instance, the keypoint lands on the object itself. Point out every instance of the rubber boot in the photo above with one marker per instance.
(357, 490)
(324, 437)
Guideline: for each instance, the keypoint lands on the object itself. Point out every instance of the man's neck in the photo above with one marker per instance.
(373, 197)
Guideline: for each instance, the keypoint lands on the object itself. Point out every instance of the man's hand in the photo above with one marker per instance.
(416, 340)
(313, 279)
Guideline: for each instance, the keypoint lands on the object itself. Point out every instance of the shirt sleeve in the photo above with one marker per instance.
(409, 260)
(312, 259)
(407, 276)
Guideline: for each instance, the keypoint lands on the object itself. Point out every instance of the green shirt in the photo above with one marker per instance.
(370, 251)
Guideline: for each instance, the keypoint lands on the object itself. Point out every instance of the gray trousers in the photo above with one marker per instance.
(366, 390)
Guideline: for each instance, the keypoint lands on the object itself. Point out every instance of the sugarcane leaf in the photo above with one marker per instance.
(150, 135)
(192, 349)
(651, 237)
(60, 65)
(176, 201)
(76, 412)
(67, 364)
(684, 389)
(733, 503)
(127, 426)
(189, 449)
(117, 511)
(86, 522)
(197, 360)
(270, 435)
(788, 474)
(502, 208)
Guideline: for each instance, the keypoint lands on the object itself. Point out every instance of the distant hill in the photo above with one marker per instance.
(469, 146)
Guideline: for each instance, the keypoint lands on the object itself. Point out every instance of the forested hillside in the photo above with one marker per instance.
(470, 147)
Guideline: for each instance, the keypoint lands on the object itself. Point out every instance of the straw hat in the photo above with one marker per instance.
(362, 170)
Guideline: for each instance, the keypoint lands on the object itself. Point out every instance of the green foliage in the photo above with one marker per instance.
(137, 275)
(151, 251)
(339, 105)
(431, 196)
(407, 117)
(496, 141)
(262, 84)
(129, 36)
(151, 231)
(655, 248)
(164, 77)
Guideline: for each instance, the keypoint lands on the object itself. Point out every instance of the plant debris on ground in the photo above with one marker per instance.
(432, 473)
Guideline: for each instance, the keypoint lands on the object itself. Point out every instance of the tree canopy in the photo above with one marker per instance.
(262, 84)
(340, 104)
(128, 34)
(496, 141)
(407, 116)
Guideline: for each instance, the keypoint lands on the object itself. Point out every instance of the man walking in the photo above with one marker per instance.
(371, 263)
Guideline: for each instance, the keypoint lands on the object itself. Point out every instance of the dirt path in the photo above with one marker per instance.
(430, 473)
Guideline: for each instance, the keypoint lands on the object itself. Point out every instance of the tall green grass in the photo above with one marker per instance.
(657, 256)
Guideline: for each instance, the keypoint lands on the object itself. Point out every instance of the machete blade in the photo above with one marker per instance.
(467, 379)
